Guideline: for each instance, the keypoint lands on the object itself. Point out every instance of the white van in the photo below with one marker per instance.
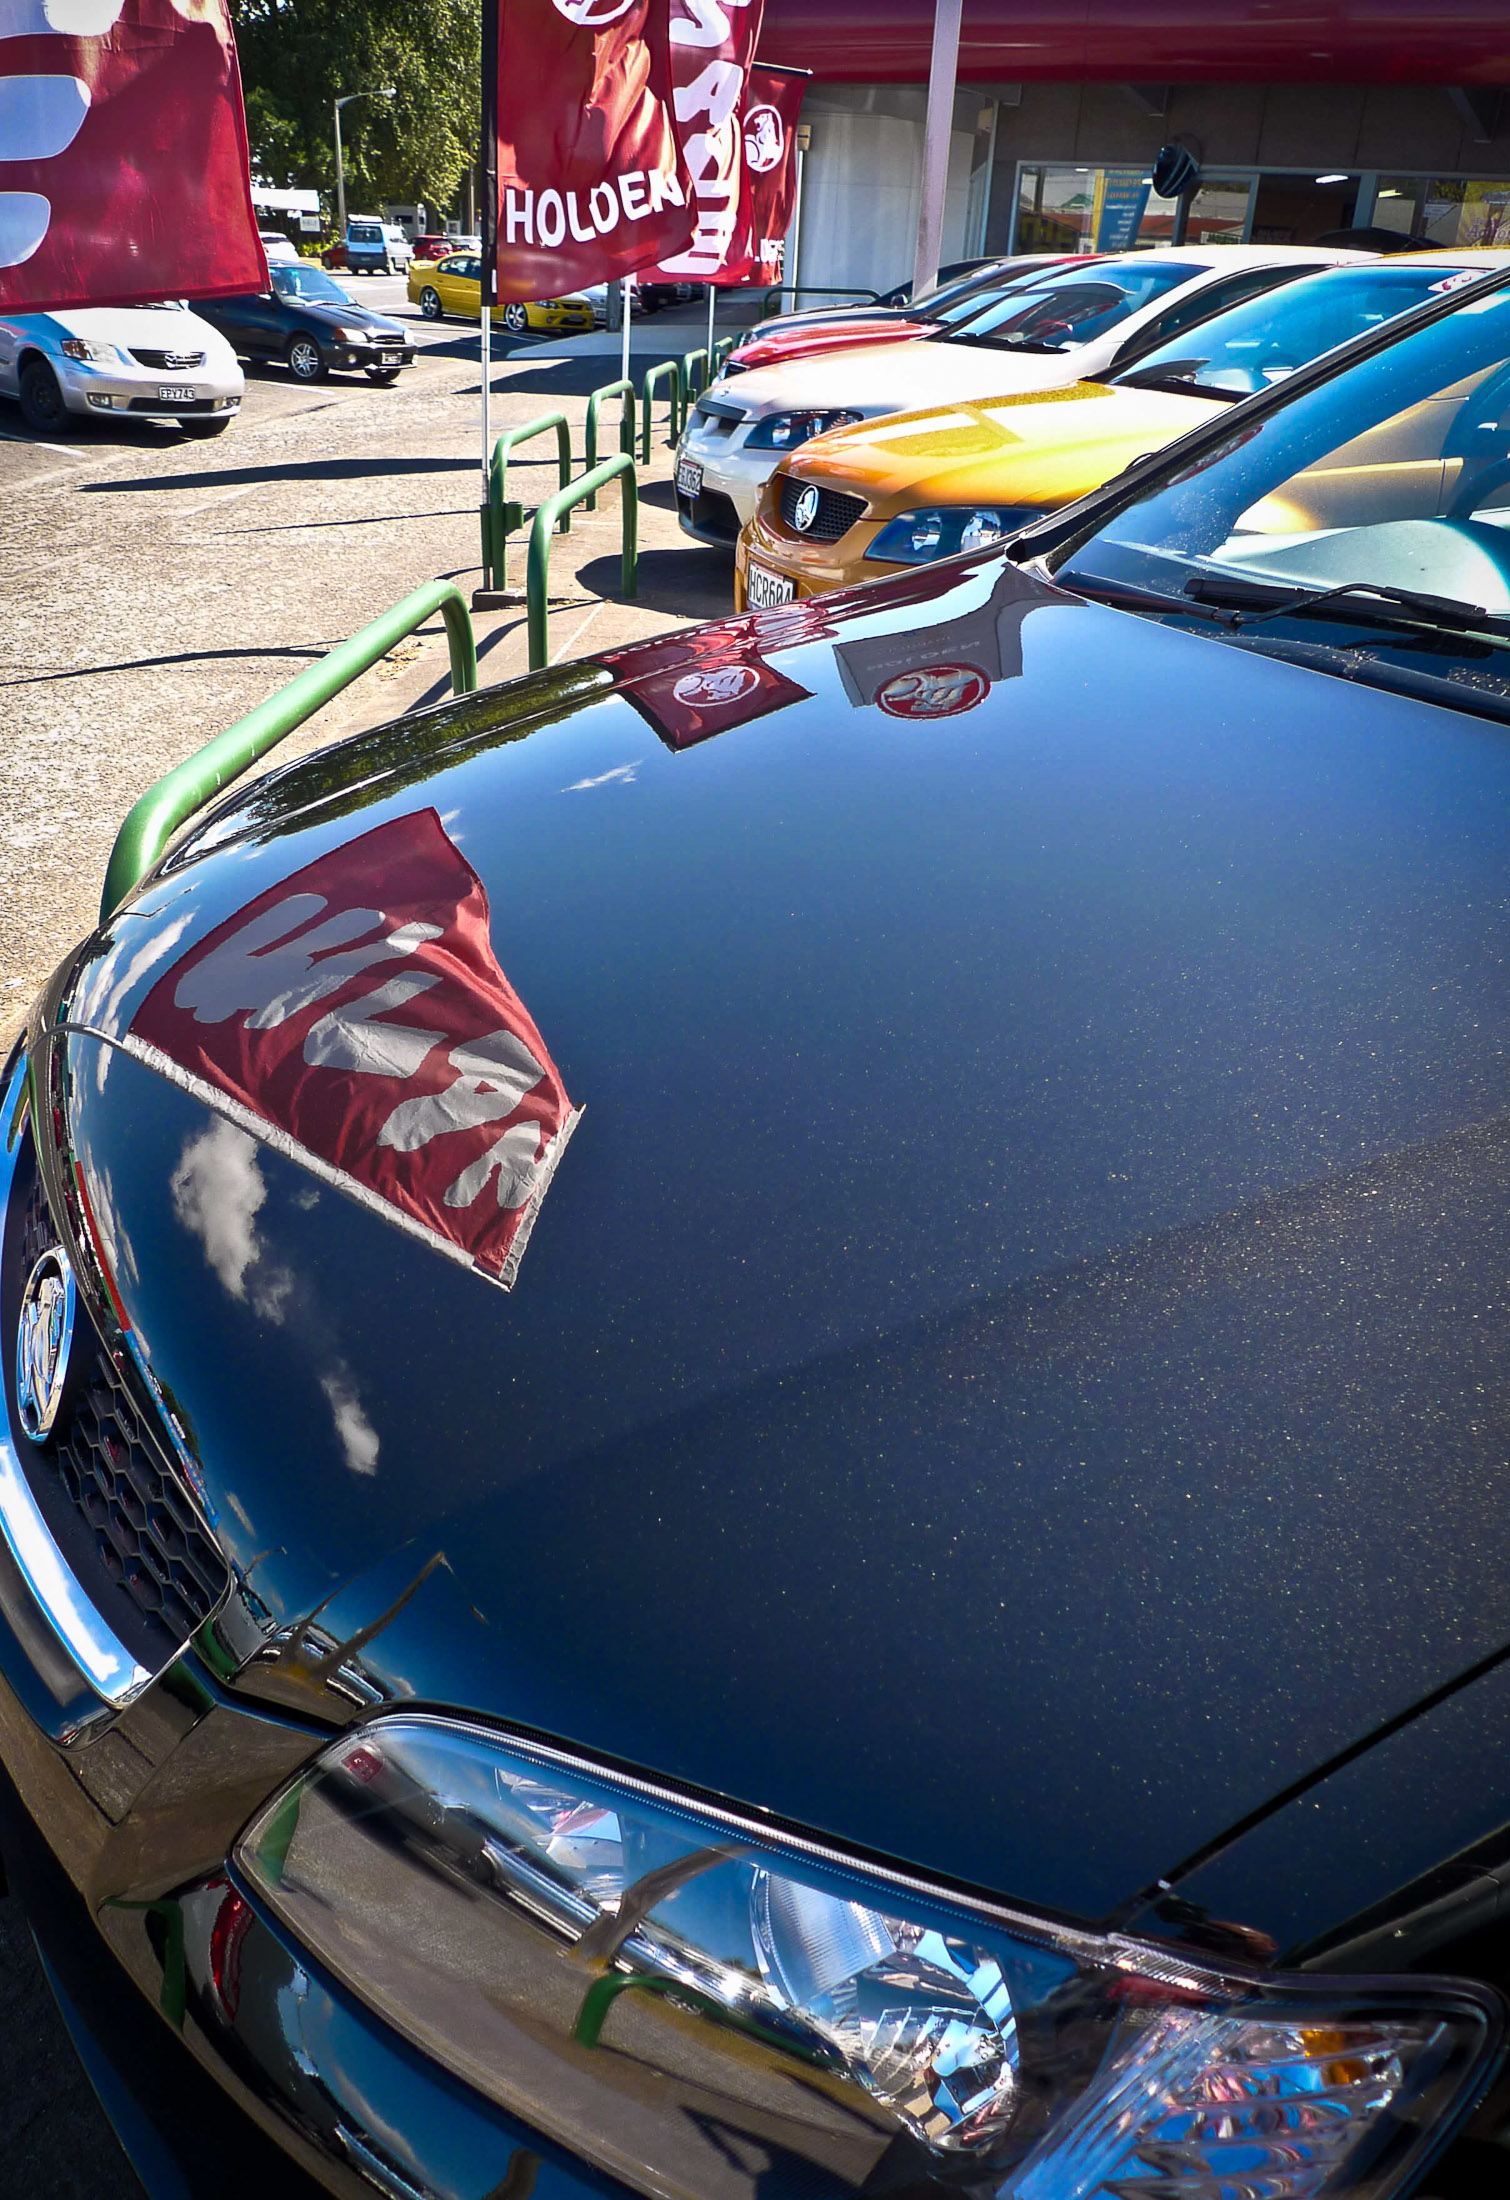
(375, 247)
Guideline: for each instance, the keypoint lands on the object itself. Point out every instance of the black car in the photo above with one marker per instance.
(309, 324)
(758, 1391)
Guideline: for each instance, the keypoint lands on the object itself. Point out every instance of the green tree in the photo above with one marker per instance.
(298, 56)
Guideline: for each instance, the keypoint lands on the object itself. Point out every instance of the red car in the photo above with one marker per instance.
(797, 336)
(432, 248)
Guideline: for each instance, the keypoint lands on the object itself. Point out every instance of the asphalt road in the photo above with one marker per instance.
(154, 589)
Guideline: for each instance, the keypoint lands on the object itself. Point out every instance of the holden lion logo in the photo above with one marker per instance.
(765, 139)
(43, 1337)
(724, 684)
(805, 510)
(933, 691)
(591, 15)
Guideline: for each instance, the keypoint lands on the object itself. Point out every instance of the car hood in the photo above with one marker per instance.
(1039, 449)
(890, 377)
(152, 327)
(343, 316)
(799, 343)
(1008, 1367)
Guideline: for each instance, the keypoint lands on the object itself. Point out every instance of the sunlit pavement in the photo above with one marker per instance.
(156, 587)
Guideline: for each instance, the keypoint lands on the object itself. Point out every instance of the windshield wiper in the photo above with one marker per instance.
(1180, 385)
(1253, 603)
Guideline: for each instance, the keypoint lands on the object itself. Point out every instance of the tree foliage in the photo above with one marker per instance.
(298, 56)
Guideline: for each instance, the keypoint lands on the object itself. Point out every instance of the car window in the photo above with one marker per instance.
(1264, 339)
(307, 282)
(1213, 298)
(366, 233)
(1064, 311)
(471, 267)
(1393, 473)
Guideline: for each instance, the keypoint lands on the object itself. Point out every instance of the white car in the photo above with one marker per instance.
(276, 245)
(158, 362)
(1068, 324)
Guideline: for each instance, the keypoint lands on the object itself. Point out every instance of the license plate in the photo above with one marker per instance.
(689, 478)
(176, 393)
(764, 588)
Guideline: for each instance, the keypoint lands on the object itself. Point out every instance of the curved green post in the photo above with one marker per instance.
(721, 351)
(504, 517)
(157, 814)
(678, 404)
(626, 425)
(582, 491)
(689, 362)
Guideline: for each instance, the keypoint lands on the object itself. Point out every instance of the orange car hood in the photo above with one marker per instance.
(1040, 448)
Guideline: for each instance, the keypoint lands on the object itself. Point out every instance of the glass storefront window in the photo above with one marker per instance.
(1219, 211)
(1090, 210)
(1445, 210)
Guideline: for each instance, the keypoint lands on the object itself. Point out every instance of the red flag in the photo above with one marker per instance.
(354, 1016)
(590, 181)
(768, 130)
(123, 155)
(710, 46)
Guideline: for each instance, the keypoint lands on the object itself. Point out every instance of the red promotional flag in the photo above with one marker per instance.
(354, 1017)
(590, 182)
(710, 46)
(693, 685)
(123, 155)
(768, 129)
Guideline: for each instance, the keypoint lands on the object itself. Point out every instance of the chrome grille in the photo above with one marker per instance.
(139, 1525)
(835, 516)
(163, 360)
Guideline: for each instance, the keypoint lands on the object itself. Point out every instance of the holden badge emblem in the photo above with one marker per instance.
(805, 510)
(44, 1335)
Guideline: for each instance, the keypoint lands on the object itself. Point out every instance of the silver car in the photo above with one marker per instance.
(159, 362)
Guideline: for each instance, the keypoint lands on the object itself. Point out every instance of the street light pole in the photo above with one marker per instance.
(345, 101)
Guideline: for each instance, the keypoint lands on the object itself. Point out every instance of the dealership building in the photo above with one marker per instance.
(1305, 117)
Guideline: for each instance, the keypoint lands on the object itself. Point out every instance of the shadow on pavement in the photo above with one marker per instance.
(57, 2144)
(309, 469)
(695, 584)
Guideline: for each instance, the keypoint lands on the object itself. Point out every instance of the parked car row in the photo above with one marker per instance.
(756, 1393)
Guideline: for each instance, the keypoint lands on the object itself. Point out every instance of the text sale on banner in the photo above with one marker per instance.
(768, 143)
(123, 155)
(710, 46)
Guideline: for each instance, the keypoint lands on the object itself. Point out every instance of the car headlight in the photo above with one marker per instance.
(74, 347)
(353, 335)
(939, 531)
(784, 431)
(708, 2007)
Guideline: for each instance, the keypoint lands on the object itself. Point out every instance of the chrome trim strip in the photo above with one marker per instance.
(106, 1664)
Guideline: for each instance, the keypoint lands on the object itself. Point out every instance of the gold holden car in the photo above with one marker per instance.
(900, 491)
(454, 285)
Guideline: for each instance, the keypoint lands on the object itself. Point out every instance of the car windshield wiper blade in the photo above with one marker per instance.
(1180, 385)
(1253, 603)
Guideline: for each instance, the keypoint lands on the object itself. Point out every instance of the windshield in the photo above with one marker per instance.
(1266, 338)
(1389, 481)
(1062, 311)
(306, 281)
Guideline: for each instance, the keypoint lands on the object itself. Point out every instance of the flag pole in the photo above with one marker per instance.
(712, 294)
(624, 345)
(942, 72)
(489, 271)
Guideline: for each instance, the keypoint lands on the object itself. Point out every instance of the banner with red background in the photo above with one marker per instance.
(768, 130)
(123, 155)
(588, 182)
(710, 47)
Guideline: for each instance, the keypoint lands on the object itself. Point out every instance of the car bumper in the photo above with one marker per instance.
(90, 389)
(371, 355)
(813, 567)
(733, 477)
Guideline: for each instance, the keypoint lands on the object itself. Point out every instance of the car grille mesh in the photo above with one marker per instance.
(835, 516)
(163, 360)
(147, 1537)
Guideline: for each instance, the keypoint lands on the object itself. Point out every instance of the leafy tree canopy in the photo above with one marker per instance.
(297, 56)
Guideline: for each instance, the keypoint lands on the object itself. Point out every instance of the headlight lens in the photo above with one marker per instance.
(711, 2010)
(353, 335)
(784, 431)
(939, 531)
(74, 347)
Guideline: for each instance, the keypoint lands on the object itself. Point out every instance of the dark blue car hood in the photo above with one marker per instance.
(1009, 1369)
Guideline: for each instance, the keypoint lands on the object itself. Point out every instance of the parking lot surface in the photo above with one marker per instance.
(155, 589)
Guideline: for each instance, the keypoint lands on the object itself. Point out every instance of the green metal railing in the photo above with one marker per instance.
(595, 405)
(721, 351)
(583, 490)
(694, 363)
(156, 817)
(653, 375)
(500, 516)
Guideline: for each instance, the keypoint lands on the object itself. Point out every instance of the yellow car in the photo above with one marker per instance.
(859, 502)
(454, 285)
